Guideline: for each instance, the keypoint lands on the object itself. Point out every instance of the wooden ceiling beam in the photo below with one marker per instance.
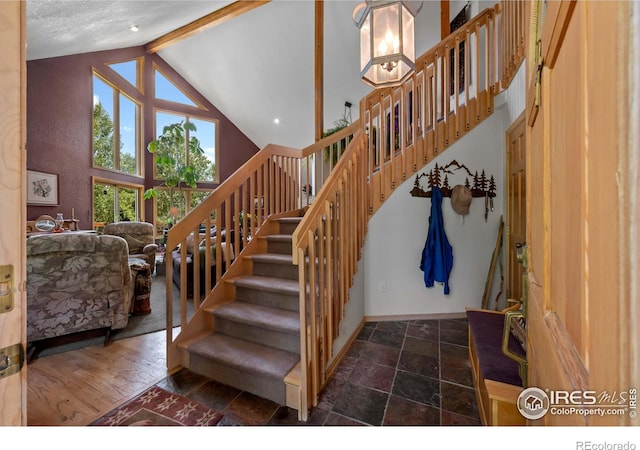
(228, 12)
(444, 18)
(319, 68)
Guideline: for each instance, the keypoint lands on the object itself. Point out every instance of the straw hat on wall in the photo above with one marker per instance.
(461, 199)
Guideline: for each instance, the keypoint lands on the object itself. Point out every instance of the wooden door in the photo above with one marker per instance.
(13, 388)
(579, 313)
(516, 204)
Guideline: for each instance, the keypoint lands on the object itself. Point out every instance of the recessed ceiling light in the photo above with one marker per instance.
(276, 120)
(134, 28)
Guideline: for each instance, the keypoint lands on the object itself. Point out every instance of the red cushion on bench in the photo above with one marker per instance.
(486, 329)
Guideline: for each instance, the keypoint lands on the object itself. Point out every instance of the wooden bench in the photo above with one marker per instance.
(496, 376)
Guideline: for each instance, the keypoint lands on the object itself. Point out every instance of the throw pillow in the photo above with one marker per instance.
(203, 250)
(192, 244)
(227, 253)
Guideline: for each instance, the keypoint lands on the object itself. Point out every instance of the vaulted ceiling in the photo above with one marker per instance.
(255, 67)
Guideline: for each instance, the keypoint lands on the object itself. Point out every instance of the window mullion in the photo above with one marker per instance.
(116, 207)
(116, 129)
(139, 143)
(186, 144)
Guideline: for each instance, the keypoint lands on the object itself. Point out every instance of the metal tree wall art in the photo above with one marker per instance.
(480, 185)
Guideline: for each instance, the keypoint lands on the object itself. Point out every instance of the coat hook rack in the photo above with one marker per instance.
(480, 185)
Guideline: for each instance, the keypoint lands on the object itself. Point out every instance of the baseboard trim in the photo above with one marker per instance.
(434, 316)
(338, 358)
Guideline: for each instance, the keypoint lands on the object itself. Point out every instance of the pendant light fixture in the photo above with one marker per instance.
(387, 50)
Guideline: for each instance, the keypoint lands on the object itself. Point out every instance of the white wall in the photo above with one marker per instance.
(514, 99)
(341, 63)
(353, 310)
(394, 283)
(389, 281)
(455, 6)
(427, 28)
(342, 56)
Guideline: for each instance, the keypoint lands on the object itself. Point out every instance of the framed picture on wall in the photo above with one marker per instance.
(42, 188)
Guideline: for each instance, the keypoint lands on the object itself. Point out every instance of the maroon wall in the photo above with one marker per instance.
(59, 127)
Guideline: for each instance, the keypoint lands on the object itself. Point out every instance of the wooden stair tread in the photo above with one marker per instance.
(195, 338)
(294, 376)
(245, 356)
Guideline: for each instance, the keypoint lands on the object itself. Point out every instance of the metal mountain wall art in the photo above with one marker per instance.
(479, 184)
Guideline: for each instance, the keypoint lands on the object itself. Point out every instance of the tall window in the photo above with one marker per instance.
(116, 129)
(186, 199)
(165, 89)
(115, 202)
(204, 163)
(130, 71)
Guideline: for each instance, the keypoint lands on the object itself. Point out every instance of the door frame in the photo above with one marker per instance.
(13, 388)
(519, 121)
(579, 309)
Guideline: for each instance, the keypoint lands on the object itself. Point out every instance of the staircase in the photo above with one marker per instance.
(255, 342)
(296, 271)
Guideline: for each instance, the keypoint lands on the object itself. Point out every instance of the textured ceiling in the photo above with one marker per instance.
(67, 27)
(254, 68)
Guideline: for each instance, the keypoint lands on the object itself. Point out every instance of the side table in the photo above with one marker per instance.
(141, 296)
(160, 267)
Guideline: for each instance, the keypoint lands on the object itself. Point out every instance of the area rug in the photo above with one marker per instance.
(158, 407)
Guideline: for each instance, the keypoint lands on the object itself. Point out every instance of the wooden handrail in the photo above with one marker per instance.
(323, 196)
(226, 189)
(345, 133)
(409, 125)
(326, 247)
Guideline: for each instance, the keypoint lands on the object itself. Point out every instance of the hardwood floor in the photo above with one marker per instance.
(412, 372)
(75, 388)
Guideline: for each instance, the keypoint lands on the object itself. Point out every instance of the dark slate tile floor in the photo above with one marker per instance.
(413, 372)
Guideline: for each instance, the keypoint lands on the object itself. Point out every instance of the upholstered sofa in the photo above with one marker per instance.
(228, 255)
(139, 237)
(76, 282)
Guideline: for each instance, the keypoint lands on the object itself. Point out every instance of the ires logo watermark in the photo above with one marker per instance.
(534, 403)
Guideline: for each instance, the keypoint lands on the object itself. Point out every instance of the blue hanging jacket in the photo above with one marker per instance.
(437, 255)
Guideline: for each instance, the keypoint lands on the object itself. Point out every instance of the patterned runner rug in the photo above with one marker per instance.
(158, 407)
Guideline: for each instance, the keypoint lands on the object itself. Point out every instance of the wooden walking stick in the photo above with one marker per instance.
(492, 267)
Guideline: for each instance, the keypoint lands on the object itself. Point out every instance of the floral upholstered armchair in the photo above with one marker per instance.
(76, 282)
(139, 237)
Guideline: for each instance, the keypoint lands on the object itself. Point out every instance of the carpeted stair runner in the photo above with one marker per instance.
(245, 365)
(259, 324)
(274, 264)
(268, 291)
(256, 341)
(279, 243)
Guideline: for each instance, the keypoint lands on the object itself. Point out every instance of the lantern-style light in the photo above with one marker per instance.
(387, 50)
